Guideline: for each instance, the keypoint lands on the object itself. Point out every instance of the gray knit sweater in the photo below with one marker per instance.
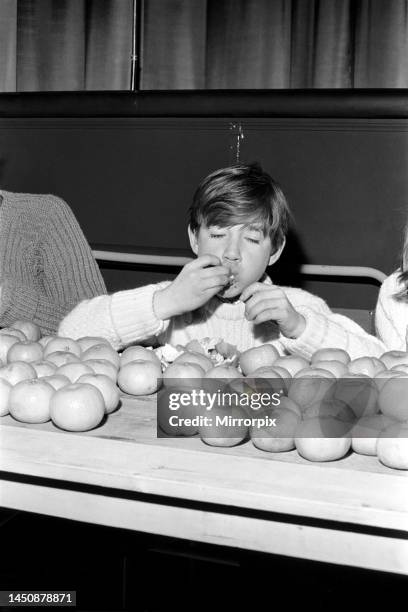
(46, 264)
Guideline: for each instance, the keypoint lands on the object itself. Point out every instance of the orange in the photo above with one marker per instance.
(275, 438)
(138, 352)
(29, 401)
(257, 357)
(370, 366)
(322, 439)
(74, 370)
(392, 358)
(315, 372)
(330, 354)
(25, 351)
(190, 373)
(336, 367)
(102, 351)
(102, 366)
(5, 389)
(292, 363)
(109, 390)
(382, 377)
(17, 371)
(215, 433)
(392, 446)
(60, 358)
(31, 330)
(87, 341)
(140, 377)
(44, 368)
(329, 407)
(366, 431)
(223, 371)
(68, 345)
(57, 380)
(77, 407)
(359, 392)
(6, 342)
(310, 390)
(44, 340)
(393, 398)
(10, 331)
(197, 358)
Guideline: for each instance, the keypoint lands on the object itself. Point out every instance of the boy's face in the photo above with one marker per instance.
(242, 248)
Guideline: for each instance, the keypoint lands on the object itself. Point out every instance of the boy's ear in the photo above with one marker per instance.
(275, 256)
(193, 240)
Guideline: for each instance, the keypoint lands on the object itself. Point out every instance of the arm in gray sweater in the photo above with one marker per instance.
(47, 265)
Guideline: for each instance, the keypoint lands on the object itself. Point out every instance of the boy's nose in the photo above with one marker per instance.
(232, 252)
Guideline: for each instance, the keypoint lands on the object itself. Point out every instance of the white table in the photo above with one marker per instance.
(352, 512)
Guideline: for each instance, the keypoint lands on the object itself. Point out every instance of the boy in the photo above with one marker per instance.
(238, 222)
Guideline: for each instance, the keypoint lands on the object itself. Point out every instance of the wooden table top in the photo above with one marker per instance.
(125, 453)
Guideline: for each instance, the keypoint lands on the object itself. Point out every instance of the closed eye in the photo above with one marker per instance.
(254, 240)
(217, 235)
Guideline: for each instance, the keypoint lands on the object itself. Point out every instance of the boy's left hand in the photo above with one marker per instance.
(269, 303)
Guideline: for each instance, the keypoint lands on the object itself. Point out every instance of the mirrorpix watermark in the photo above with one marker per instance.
(183, 409)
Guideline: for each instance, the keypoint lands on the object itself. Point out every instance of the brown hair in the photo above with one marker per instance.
(241, 194)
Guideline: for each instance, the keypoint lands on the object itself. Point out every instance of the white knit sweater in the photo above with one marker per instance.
(391, 315)
(127, 317)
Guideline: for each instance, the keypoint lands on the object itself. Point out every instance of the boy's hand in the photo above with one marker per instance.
(197, 283)
(269, 303)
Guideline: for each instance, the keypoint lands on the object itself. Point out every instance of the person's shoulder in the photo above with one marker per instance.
(37, 202)
(54, 210)
(392, 284)
(50, 203)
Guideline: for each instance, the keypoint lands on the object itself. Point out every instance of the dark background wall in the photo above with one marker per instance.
(128, 165)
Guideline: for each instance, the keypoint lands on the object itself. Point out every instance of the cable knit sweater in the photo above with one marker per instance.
(128, 317)
(46, 264)
(391, 315)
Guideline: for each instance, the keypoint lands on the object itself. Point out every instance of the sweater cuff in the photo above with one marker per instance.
(312, 337)
(133, 315)
(17, 302)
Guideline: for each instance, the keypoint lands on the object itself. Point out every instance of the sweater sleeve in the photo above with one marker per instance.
(122, 318)
(326, 329)
(55, 273)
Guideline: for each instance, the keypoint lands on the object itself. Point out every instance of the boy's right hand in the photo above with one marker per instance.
(198, 282)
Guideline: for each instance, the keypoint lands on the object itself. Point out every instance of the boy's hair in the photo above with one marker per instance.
(241, 194)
